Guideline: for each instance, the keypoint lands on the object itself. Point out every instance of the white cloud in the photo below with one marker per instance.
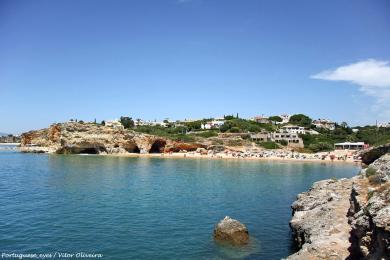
(373, 77)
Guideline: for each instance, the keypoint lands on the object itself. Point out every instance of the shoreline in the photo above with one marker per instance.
(219, 157)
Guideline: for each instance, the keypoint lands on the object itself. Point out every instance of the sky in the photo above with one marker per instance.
(177, 59)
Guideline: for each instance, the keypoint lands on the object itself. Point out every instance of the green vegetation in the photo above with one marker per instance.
(275, 118)
(127, 122)
(207, 134)
(372, 135)
(301, 120)
(269, 145)
(324, 141)
(195, 125)
(370, 172)
(238, 125)
(174, 133)
(320, 147)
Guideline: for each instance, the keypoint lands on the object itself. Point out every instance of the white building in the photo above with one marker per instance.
(294, 129)
(292, 139)
(384, 125)
(350, 146)
(214, 124)
(114, 124)
(324, 123)
(285, 119)
(261, 119)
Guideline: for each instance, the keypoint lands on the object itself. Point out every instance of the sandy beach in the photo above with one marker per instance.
(267, 155)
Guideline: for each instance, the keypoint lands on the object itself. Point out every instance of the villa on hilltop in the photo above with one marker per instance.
(325, 124)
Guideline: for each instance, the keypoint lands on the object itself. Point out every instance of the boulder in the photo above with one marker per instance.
(202, 151)
(231, 231)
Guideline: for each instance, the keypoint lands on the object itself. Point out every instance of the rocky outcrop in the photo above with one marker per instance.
(75, 138)
(320, 222)
(370, 155)
(370, 213)
(346, 218)
(175, 147)
(231, 231)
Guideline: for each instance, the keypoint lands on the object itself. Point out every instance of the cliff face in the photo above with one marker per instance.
(346, 218)
(77, 138)
(370, 212)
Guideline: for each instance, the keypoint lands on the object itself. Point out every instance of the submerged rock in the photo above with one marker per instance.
(231, 231)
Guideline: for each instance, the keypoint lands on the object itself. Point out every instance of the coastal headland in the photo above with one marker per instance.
(88, 138)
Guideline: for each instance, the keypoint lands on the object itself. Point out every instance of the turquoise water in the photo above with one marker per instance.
(148, 208)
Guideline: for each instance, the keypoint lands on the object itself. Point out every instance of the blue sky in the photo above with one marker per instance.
(192, 58)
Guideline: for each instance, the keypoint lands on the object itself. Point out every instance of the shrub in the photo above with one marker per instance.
(234, 130)
(207, 134)
(319, 147)
(370, 172)
(275, 118)
(269, 145)
(127, 122)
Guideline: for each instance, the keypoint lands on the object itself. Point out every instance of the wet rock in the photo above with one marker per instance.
(231, 231)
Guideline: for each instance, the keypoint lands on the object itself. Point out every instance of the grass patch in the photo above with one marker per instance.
(269, 145)
(207, 134)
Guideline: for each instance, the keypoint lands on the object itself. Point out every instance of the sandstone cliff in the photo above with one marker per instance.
(346, 218)
(75, 138)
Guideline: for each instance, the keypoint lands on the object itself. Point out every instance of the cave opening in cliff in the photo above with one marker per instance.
(158, 146)
(133, 149)
(89, 151)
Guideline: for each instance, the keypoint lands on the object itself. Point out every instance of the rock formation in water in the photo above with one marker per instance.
(75, 138)
(231, 231)
(346, 218)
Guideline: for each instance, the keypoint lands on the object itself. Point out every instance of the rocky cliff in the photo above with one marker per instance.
(75, 138)
(346, 218)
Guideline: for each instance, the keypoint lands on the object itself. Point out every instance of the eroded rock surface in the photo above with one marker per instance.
(370, 214)
(231, 231)
(75, 138)
(346, 218)
(320, 222)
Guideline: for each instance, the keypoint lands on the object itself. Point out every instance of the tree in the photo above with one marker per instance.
(344, 124)
(301, 120)
(234, 129)
(195, 125)
(127, 122)
(275, 118)
(103, 122)
(230, 117)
